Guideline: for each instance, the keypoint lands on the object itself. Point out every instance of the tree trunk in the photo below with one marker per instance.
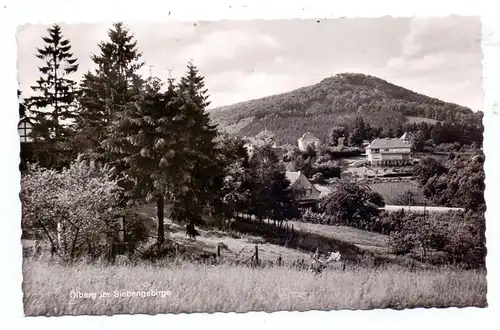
(160, 207)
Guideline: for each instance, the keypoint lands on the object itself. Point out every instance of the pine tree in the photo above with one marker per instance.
(54, 111)
(113, 85)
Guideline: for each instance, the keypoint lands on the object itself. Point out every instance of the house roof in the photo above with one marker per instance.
(388, 143)
(309, 136)
(406, 136)
(25, 120)
(292, 176)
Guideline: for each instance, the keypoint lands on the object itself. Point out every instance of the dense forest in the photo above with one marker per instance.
(337, 101)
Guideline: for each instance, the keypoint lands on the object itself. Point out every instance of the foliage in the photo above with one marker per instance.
(337, 134)
(53, 111)
(236, 176)
(457, 183)
(147, 146)
(198, 199)
(427, 168)
(353, 205)
(318, 218)
(76, 210)
(114, 83)
(270, 196)
(460, 236)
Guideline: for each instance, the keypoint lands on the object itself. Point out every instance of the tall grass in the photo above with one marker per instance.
(197, 288)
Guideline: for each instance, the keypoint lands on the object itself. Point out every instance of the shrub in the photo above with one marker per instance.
(354, 205)
(76, 211)
(458, 238)
(402, 242)
(318, 218)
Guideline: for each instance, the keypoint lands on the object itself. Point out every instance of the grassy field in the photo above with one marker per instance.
(417, 120)
(49, 287)
(392, 191)
(366, 240)
(195, 288)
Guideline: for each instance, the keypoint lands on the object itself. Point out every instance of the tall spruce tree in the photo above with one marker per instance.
(199, 198)
(111, 87)
(54, 107)
(149, 144)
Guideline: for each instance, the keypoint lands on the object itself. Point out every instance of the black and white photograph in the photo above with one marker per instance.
(251, 165)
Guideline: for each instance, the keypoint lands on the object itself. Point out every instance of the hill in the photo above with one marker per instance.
(335, 101)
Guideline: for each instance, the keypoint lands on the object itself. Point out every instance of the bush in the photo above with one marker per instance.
(76, 211)
(354, 205)
(402, 242)
(328, 169)
(458, 238)
(318, 218)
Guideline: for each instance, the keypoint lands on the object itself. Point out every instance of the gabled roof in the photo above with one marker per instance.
(308, 136)
(26, 120)
(406, 136)
(292, 176)
(388, 143)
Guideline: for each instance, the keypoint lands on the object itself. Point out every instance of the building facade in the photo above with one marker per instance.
(389, 152)
(306, 140)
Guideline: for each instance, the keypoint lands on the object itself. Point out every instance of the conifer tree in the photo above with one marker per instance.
(200, 197)
(149, 144)
(113, 85)
(54, 107)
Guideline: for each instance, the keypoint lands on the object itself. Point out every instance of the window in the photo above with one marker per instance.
(24, 132)
(386, 150)
(375, 151)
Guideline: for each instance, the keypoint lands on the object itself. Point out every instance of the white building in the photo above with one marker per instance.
(306, 140)
(389, 152)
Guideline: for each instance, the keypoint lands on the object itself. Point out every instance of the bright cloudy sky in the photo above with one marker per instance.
(243, 60)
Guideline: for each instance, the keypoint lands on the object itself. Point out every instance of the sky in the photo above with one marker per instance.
(244, 60)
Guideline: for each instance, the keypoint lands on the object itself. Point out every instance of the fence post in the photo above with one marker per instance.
(256, 254)
(218, 251)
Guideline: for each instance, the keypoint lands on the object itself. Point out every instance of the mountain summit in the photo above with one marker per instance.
(336, 101)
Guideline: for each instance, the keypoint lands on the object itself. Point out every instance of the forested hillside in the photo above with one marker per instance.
(336, 101)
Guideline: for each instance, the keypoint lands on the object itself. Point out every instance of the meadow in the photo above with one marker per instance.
(394, 192)
(48, 288)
